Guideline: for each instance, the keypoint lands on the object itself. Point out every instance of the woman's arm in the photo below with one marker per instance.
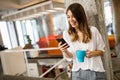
(99, 44)
(90, 54)
(67, 54)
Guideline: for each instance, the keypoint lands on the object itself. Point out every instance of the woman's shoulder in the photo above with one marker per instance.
(65, 32)
(93, 29)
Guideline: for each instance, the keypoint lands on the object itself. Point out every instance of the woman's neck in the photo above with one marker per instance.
(80, 36)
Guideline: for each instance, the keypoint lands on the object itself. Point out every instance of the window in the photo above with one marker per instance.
(5, 34)
(13, 32)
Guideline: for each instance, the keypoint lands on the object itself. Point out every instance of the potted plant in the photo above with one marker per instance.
(29, 45)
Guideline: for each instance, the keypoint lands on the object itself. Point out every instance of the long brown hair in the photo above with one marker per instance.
(79, 14)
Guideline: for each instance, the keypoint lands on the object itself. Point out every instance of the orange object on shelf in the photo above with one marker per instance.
(50, 41)
(54, 43)
(111, 40)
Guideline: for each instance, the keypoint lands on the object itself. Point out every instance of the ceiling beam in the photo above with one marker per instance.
(60, 1)
(26, 3)
(8, 4)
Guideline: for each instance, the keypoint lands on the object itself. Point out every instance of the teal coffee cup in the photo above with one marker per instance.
(80, 55)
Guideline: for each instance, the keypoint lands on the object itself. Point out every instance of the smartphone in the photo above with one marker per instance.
(61, 40)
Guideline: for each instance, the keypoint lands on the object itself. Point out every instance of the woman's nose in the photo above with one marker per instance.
(71, 19)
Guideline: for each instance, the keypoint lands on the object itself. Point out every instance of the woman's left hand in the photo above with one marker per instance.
(89, 54)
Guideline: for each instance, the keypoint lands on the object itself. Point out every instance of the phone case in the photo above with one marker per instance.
(61, 40)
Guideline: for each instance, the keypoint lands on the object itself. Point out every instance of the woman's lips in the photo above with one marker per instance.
(73, 23)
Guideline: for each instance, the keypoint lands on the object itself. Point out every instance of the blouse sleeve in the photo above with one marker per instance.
(99, 40)
(66, 37)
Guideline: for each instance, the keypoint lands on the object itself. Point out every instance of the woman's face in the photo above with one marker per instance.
(71, 19)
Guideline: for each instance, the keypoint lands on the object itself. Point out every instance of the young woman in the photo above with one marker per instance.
(81, 36)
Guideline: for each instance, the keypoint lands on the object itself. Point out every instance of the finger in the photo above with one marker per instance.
(59, 44)
(64, 50)
(87, 56)
(87, 51)
(66, 46)
(63, 46)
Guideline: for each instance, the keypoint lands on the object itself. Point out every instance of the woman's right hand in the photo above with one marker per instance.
(63, 47)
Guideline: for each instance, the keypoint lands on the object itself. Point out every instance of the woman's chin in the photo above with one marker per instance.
(73, 26)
